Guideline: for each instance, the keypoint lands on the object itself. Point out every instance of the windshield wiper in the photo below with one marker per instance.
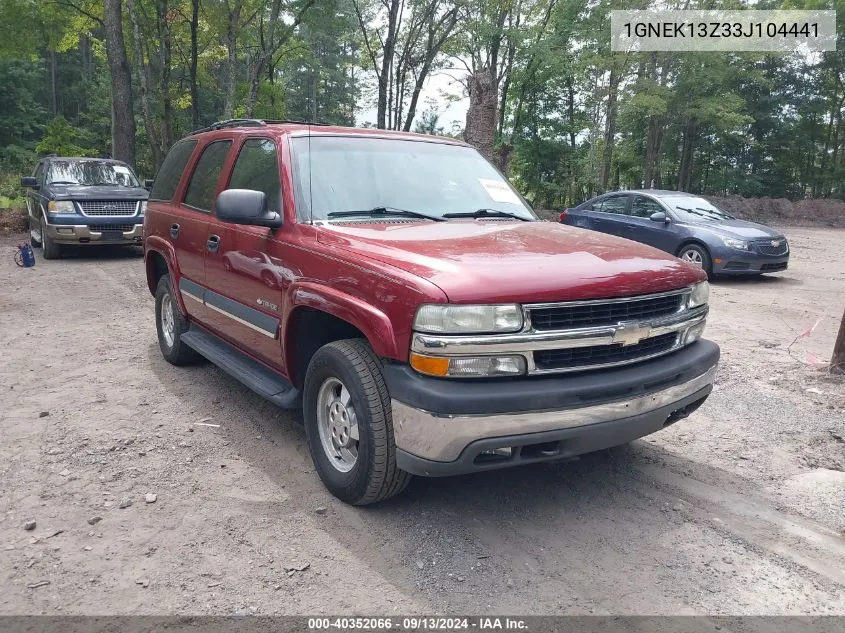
(62, 182)
(486, 213)
(384, 211)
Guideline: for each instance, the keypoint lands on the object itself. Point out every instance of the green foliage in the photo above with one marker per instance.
(61, 139)
(751, 124)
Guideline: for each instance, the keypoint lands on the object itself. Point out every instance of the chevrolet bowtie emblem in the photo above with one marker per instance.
(630, 333)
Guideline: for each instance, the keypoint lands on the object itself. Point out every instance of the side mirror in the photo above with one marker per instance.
(246, 206)
(659, 216)
(148, 183)
(29, 182)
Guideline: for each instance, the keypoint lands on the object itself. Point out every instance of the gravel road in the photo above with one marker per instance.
(737, 510)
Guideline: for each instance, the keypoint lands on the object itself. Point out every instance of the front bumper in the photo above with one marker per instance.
(729, 261)
(446, 429)
(109, 233)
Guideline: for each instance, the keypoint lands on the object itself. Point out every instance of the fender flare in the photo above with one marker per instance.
(374, 324)
(160, 246)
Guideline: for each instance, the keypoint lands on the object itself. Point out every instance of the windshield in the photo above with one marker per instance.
(377, 175)
(90, 172)
(693, 209)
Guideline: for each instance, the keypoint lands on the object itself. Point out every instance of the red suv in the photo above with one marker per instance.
(398, 289)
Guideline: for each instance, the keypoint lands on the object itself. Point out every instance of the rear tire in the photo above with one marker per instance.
(49, 248)
(697, 255)
(349, 425)
(171, 324)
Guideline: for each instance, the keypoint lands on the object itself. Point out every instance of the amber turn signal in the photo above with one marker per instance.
(431, 365)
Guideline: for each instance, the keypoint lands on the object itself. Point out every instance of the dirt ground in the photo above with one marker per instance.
(739, 509)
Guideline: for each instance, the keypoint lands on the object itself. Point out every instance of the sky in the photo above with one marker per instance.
(437, 83)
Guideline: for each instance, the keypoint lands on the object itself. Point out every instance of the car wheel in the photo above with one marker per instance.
(348, 424)
(171, 324)
(697, 256)
(50, 249)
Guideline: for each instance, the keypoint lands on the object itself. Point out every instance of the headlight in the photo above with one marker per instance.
(60, 206)
(143, 210)
(468, 366)
(741, 245)
(699, 294)
(444, 318)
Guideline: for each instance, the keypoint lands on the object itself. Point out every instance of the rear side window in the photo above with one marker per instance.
(171, 170)
(616, 204)
(257, 167)
(204, 179)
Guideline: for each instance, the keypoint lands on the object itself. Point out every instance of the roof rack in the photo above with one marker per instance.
(219, 125)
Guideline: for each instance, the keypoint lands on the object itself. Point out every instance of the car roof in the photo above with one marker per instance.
(657, 193)
(258, 127)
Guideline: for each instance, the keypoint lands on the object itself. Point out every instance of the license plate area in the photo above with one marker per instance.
(112, 236)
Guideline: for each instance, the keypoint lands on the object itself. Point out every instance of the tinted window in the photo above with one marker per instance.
(257, 168)
(171, 171)
(615, 204)
(204, 179)
(90, 173)
(644, 207)
(39, 173)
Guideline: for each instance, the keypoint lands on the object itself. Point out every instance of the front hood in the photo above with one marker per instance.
(83, 192)
(494, 261)
(741, 229)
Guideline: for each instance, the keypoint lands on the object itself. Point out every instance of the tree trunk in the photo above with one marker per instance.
(123, 118)
(165, 42)
(687, 155)
(480, 130)
(609, 130)
(384, 83)
(231, 65)
(195, 104)
(54, 89)
(146, 112)
(837, 361)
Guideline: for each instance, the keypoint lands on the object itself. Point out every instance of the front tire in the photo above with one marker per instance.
(697, 256)
(49, 248)
(348, 424)
(171, 324)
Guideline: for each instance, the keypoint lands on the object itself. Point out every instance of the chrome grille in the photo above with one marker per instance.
(108, 207)
(599, 355)
(99, 228)
(582, 314)
(765, 247)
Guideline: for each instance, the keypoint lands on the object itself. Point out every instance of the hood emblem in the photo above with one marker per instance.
(776, 243)
(630, 333)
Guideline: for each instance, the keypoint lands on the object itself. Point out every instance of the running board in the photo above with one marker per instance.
(238, 365)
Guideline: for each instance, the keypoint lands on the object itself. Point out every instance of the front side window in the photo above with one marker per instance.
(693, 209)
(171, 170)
(257, 168)
(643, 207)
(343, 174)
(615, 204)
(203, 183)
(90, 173)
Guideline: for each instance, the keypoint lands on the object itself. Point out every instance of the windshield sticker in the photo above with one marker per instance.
(120, 169)
(499, 191)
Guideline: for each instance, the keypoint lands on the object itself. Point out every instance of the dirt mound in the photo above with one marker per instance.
(12, 221)
(820, 212)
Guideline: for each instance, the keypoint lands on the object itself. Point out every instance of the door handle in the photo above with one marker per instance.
(174, 231)
(213, 243)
